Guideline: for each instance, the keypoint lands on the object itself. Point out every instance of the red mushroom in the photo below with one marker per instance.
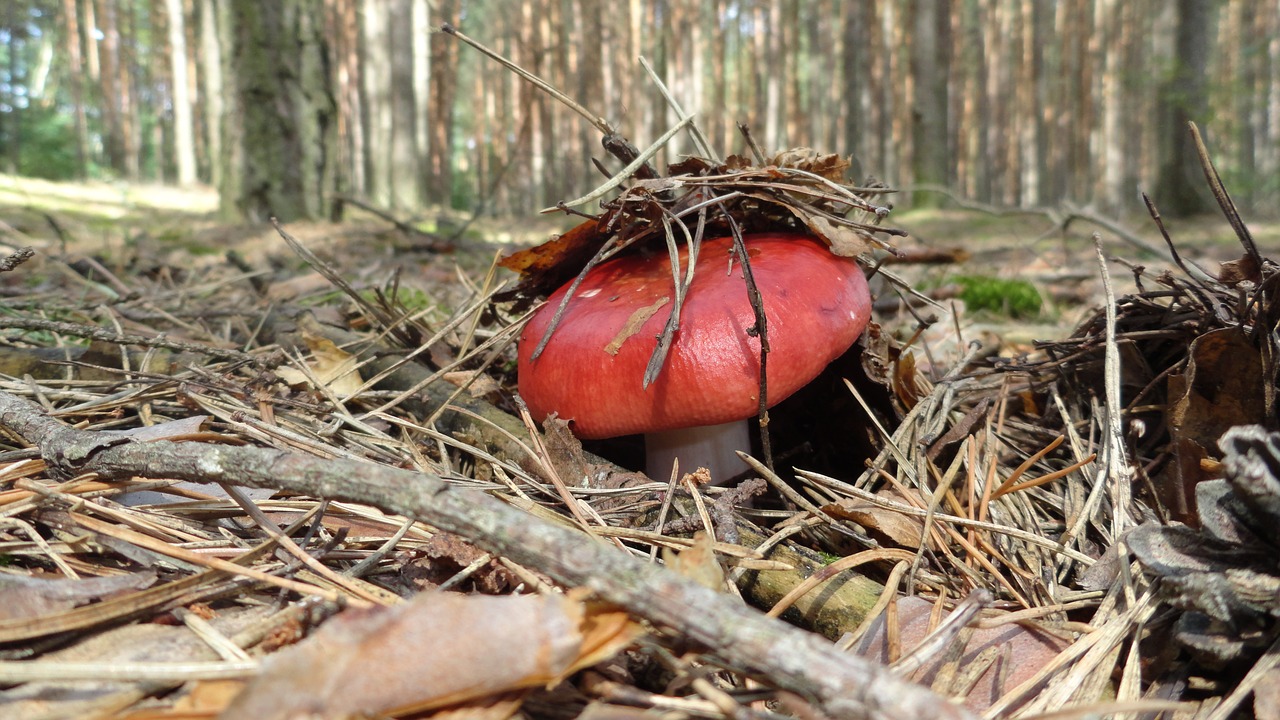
(591, 370)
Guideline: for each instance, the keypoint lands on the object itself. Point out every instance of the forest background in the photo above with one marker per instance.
(284, 106)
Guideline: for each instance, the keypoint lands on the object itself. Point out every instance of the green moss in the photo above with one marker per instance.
(1012, 298)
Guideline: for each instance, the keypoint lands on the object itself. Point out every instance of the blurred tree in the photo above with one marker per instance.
(210, 71)
(75, 84)
(184, 147)
(444, 87)
(1180, 189)
(1006, 101)
(930, 65)
(286, 112)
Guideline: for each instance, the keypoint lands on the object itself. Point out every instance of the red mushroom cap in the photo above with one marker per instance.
(592, 370)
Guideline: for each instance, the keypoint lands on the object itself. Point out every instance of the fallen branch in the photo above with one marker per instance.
(739, 637)
(1062, 216)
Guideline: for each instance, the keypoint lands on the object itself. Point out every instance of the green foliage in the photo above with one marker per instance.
(48, 145)
(1013, 298)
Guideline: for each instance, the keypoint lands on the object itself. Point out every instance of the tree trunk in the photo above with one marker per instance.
(184, 148)
(422, 41)
(75, 71)
(109, 61)
(280, 61)
(1033, 98)
(375, 87)
(351, 107)
(855, 69)
(128, 82)
(403, 147)
(444, 83)
(1180, 189)
(211, 76)
(930, 62)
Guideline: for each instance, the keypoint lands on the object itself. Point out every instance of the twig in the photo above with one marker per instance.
(751, 143)
(681, 288)
(437, 243)
(699, 139)
(16, 258)
(761, 330)
(627, 171)
(1223, 197)
(1115, 463)
(54, 671)
(600, 123)
(93, 332)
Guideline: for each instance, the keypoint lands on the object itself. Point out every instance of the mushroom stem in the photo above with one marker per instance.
(713, 447)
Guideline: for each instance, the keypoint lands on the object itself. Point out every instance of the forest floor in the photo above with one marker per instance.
(234, 341)
(128, 222)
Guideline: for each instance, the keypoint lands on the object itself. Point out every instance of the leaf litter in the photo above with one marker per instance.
(988, 481)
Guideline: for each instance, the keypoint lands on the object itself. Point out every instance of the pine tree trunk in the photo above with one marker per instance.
(75, 68)
(280, 60)
(929, 69)
(211, 76)
(1180, 188)
(184, 149)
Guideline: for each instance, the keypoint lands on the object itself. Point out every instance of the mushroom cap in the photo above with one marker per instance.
(592, 370)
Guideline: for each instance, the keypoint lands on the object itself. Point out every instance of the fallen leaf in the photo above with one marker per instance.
(845, 241)
(332, 367)
(544, 268)
(28, 597)
(634, 323)
(1021, 652)
(697, 562)
(826, 165)
(886, 525)
(1221, 388)
(1234, 272)
(481, 383)
(447, 554)
(436, 650)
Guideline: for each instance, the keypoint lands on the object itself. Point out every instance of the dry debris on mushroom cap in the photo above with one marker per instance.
(796, 190)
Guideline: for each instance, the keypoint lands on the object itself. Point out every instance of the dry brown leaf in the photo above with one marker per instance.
(436, 650)
(481, 385)
(28, 597)
(1221, 388)
(844, 240)
(908, 383)
(698, 562)
(1021, 652)
(829, 165)
(205, 699)
(446, 554)
(286, 290)
(332, 367)
(545, 267)
(898, 529)
(1234, 272)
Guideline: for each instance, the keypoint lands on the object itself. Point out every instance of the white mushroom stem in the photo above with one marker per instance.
(713, 447)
